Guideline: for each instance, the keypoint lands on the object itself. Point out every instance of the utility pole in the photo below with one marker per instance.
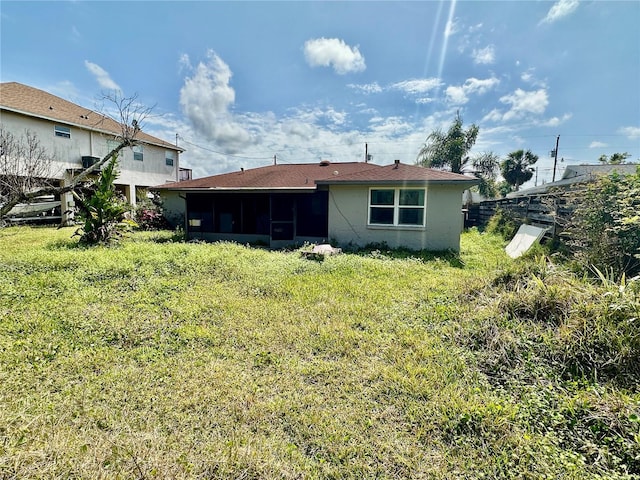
(275, 162)
(366, 153)
(555, 159)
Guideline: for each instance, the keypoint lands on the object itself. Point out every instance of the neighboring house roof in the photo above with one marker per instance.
(306, 176)
(573, 171)
(574, 174)
(26, 100)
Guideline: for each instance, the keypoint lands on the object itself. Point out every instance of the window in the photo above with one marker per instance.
(64, 132)
(138, 153)
(169, 157)
(397, 207)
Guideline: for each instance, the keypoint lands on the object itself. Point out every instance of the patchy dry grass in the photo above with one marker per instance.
(156, 359)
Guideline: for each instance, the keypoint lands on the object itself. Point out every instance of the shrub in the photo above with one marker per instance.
(101, 209)
(604, 230)
(149, 214)
(504, 223)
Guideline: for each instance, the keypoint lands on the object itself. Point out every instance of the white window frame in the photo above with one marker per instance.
(169, 158)
(138, 150)
(62, 131)
(397, 207)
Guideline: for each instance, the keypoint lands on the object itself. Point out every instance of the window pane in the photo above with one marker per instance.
(382, 197)
(383, 216)
(412, 197)
(138, 153)
(411, 216)
(63, 132)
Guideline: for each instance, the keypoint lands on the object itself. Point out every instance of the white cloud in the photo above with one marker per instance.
(102, 76)
(417, 86)
(303, 130)
(555, 121)
(530, 78)
(459, 95)
(559, 10)
(367, 88)
(474, 85)
(333, 52)
(484, 56)
(493, 116)
(596, 144)
(205, 99)
(631, 132)
(523, 102)
(456, 95)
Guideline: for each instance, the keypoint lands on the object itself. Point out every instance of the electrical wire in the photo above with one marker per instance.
(221, 153)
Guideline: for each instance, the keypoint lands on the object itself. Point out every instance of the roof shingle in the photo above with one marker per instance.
(309, 175)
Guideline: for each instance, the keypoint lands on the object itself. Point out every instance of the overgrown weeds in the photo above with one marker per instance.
(564, 349)
(165, 359)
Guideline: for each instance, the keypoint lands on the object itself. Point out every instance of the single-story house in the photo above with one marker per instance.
(347, 204)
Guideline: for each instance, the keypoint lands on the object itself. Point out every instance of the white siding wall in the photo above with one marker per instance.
(348, 218)
(69, 152)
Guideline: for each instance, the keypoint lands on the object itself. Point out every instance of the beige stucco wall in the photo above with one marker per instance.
(69, 152)
(174, 207)
(348, 218)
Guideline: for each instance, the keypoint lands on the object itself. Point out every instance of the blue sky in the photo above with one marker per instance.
(240, 82)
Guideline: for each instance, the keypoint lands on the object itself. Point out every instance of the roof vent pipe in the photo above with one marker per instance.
(396, 162)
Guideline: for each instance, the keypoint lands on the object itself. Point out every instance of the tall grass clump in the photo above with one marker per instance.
(553, 342)
(504, 223)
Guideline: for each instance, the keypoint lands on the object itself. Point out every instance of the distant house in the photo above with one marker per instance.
(546, 205)
(346, 203)
(78, 137)
(575, 174)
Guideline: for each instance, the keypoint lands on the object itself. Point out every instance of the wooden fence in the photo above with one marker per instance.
(549, 211)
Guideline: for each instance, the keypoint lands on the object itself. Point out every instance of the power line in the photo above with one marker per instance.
(222, 153)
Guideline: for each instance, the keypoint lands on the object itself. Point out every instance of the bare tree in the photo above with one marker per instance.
(26, 166)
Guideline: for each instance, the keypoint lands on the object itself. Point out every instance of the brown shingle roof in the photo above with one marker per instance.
(31, 101)
(291, 176)
(404, 174)
(308, 175)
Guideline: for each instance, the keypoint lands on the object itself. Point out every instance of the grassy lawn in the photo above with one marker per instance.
(156, 359)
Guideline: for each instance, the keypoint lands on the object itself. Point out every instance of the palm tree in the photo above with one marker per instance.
(450, 149)
(517, 167)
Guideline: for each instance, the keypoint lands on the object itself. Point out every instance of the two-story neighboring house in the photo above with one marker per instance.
(77, 137)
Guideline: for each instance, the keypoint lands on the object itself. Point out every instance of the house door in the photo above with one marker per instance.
(282, 217)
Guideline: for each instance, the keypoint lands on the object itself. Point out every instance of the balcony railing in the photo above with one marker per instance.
(184, 174)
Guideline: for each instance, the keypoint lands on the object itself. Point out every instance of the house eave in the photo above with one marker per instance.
(168, 146)
(417, 183)
(237, 189)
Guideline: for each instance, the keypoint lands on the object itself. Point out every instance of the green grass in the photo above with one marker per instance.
(155, 359)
